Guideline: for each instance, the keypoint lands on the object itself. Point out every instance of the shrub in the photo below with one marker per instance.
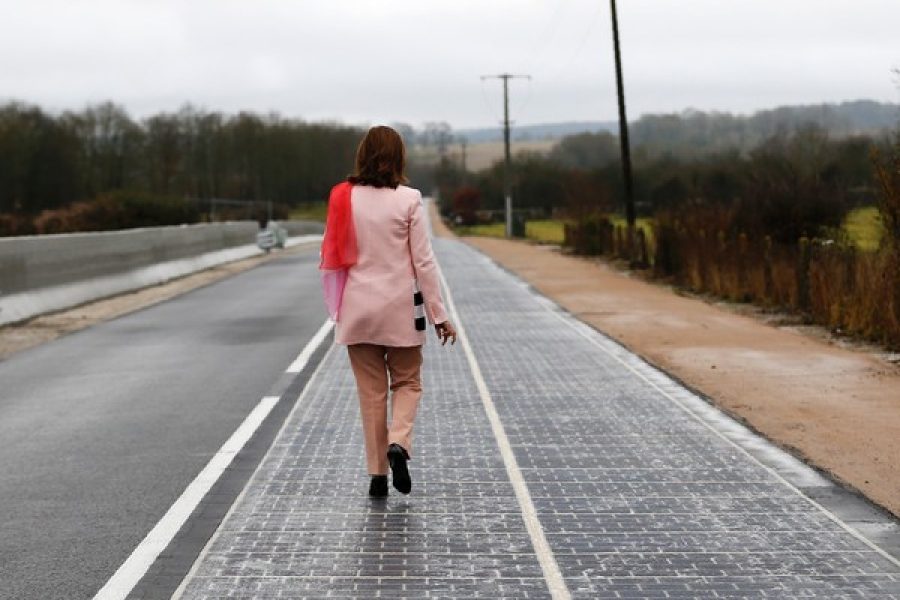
(888, 175)
(466, 201)
(117, 210)
(585, 194)
(793, 188)
(591, 235)
(887, 171)
(11, 225)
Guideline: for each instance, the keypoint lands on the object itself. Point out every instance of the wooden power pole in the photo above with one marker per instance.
(623, 130)
(507, 170)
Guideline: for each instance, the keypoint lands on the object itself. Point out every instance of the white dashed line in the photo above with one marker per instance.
(314, 343)
(179, 592)
(133, 569)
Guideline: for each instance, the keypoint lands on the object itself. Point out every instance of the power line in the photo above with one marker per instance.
(507, 169)
(545, 40)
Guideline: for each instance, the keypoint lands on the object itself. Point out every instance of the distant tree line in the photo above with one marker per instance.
(791, 184)
(48, 161)
(695, 133)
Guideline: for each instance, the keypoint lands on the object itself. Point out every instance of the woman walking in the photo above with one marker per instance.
(376, 244)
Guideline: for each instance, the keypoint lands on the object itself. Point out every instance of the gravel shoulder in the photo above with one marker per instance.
(836, 407)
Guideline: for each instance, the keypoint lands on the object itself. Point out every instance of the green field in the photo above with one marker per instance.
(489, 230)
(546, 231)
(314, 211)
(864, 228)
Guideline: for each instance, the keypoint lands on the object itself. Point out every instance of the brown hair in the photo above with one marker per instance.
(380, 159)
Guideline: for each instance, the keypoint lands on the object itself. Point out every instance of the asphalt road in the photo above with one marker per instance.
(102, 430)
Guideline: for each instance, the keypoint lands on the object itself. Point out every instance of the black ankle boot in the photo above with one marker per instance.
(397, 457)
(378, 487)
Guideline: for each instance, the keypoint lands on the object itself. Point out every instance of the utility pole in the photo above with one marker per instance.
(507, 170)
(623, 131)
(463, 142)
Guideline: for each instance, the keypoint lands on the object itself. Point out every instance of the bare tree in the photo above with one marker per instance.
(439, 135)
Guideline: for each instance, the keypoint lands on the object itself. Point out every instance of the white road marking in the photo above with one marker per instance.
(179, 592)
(552, 575)
(314, 343)
(135, 566)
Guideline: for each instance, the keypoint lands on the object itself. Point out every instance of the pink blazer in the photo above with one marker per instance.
(394, 253)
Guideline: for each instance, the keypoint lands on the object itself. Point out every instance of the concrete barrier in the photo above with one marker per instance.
(40, 274)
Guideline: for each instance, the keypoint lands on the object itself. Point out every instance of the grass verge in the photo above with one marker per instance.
(864, 227)
(313, 211)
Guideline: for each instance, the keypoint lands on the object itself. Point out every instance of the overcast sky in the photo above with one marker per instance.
(372, 61)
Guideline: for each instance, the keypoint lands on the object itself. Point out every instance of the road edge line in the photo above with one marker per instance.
(552, 575)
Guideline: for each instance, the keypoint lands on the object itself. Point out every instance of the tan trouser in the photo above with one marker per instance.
(371, 366)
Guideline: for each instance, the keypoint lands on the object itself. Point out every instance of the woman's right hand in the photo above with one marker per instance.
(446, 331)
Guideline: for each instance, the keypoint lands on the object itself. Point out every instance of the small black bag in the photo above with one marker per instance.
(419, 309)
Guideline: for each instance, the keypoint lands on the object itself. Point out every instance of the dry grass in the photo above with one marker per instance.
(840, 287)
(497, 230)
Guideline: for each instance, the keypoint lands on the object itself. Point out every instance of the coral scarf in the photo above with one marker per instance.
(339, 251)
